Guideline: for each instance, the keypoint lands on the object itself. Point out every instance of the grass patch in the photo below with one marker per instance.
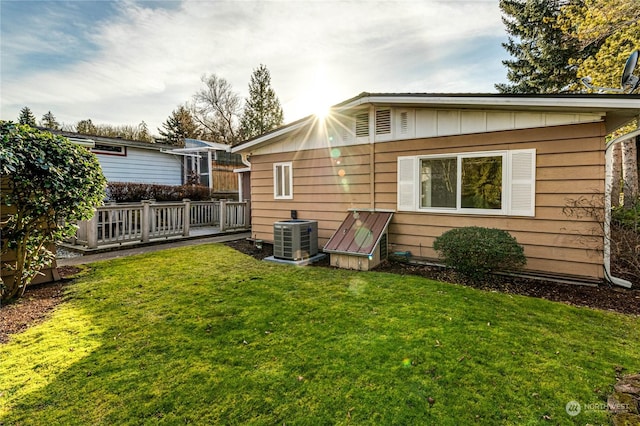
(206, 335)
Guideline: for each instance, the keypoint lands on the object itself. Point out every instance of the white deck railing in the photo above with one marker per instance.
(121, 223)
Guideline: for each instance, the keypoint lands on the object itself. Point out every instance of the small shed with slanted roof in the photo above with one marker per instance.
(361, 241)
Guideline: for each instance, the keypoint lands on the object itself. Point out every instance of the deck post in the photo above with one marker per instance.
(146, 222)
(186, 217)
(223, 214)
(247, 213)
(92, 230)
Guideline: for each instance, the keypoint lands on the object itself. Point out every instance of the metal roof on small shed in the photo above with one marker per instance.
(359, 233)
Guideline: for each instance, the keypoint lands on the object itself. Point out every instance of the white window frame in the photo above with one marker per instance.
(514, 203)
(279, 176)
(104, 149)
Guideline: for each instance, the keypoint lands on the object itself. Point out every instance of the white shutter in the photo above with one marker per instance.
(522, 182)
(407, 182)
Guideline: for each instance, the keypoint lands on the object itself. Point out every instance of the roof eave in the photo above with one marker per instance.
(619, 109)
(268, 137)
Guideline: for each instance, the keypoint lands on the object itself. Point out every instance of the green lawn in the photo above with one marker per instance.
(205, 335)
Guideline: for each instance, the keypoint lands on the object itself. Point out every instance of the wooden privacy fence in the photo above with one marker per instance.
(148, 220)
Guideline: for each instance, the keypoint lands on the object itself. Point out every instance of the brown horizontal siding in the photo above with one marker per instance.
(570, 164)
(324, 188)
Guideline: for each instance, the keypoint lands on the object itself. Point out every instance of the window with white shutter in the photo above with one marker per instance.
(492, 183)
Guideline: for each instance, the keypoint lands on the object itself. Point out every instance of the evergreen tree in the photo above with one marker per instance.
(612, 29)
(86, 127)
(541, 50)
(179, 126)
(27, 117)
(49, 121)
(262, 110)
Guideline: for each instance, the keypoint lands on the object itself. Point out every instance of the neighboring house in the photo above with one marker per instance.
(512, 162)
(133, 161)
(157, 163)
(210, 163)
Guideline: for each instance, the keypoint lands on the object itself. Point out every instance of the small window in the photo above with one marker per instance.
(109, 149)
(282, 181)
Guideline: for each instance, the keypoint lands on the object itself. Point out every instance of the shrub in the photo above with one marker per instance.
(475, 252)
(51, 183)
(128, 192)
(627, 218)
(625, 242)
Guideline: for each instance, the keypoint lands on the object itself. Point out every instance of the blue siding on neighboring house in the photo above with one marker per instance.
(142, 166)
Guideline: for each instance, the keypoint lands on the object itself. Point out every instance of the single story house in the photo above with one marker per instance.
(207, 163)
(132, 161)
(440, 161)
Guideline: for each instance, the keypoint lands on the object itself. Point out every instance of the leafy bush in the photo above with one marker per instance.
(627, 218)
(128, 192)
(51, 183)
(475, 252)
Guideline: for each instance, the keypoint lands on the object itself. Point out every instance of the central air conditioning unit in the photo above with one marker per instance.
(295, 239)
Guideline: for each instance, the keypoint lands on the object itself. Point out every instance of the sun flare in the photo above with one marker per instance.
(317, 99)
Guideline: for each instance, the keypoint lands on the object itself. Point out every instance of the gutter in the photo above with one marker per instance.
(608, 180)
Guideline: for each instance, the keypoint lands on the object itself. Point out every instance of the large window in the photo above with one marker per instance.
(282, 181)
(495, 182)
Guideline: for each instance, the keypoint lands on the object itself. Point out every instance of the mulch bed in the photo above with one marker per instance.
(40, 300)
(34, 307)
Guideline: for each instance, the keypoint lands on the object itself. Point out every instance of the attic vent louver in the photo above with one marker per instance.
(345, 134)
(362, 125)
(404, 122)
(383, 121)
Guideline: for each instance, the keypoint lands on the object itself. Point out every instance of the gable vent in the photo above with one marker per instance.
(383, 121)
(362, 124)
(404, 122)
(345, 134)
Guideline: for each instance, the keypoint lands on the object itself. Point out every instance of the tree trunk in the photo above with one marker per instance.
(630, 172)
(616, 182)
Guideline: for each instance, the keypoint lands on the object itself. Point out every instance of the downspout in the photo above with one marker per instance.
(245, 160)
(607, 208)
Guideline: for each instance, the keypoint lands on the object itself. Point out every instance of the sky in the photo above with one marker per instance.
(123, 62)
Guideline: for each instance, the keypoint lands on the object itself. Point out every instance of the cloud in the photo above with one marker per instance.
(140, 61)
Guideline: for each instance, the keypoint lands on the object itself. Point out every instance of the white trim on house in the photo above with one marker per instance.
(283, 181)
(502, 112)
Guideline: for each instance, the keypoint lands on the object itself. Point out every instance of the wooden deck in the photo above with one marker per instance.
(118, 225)
(203, 232)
